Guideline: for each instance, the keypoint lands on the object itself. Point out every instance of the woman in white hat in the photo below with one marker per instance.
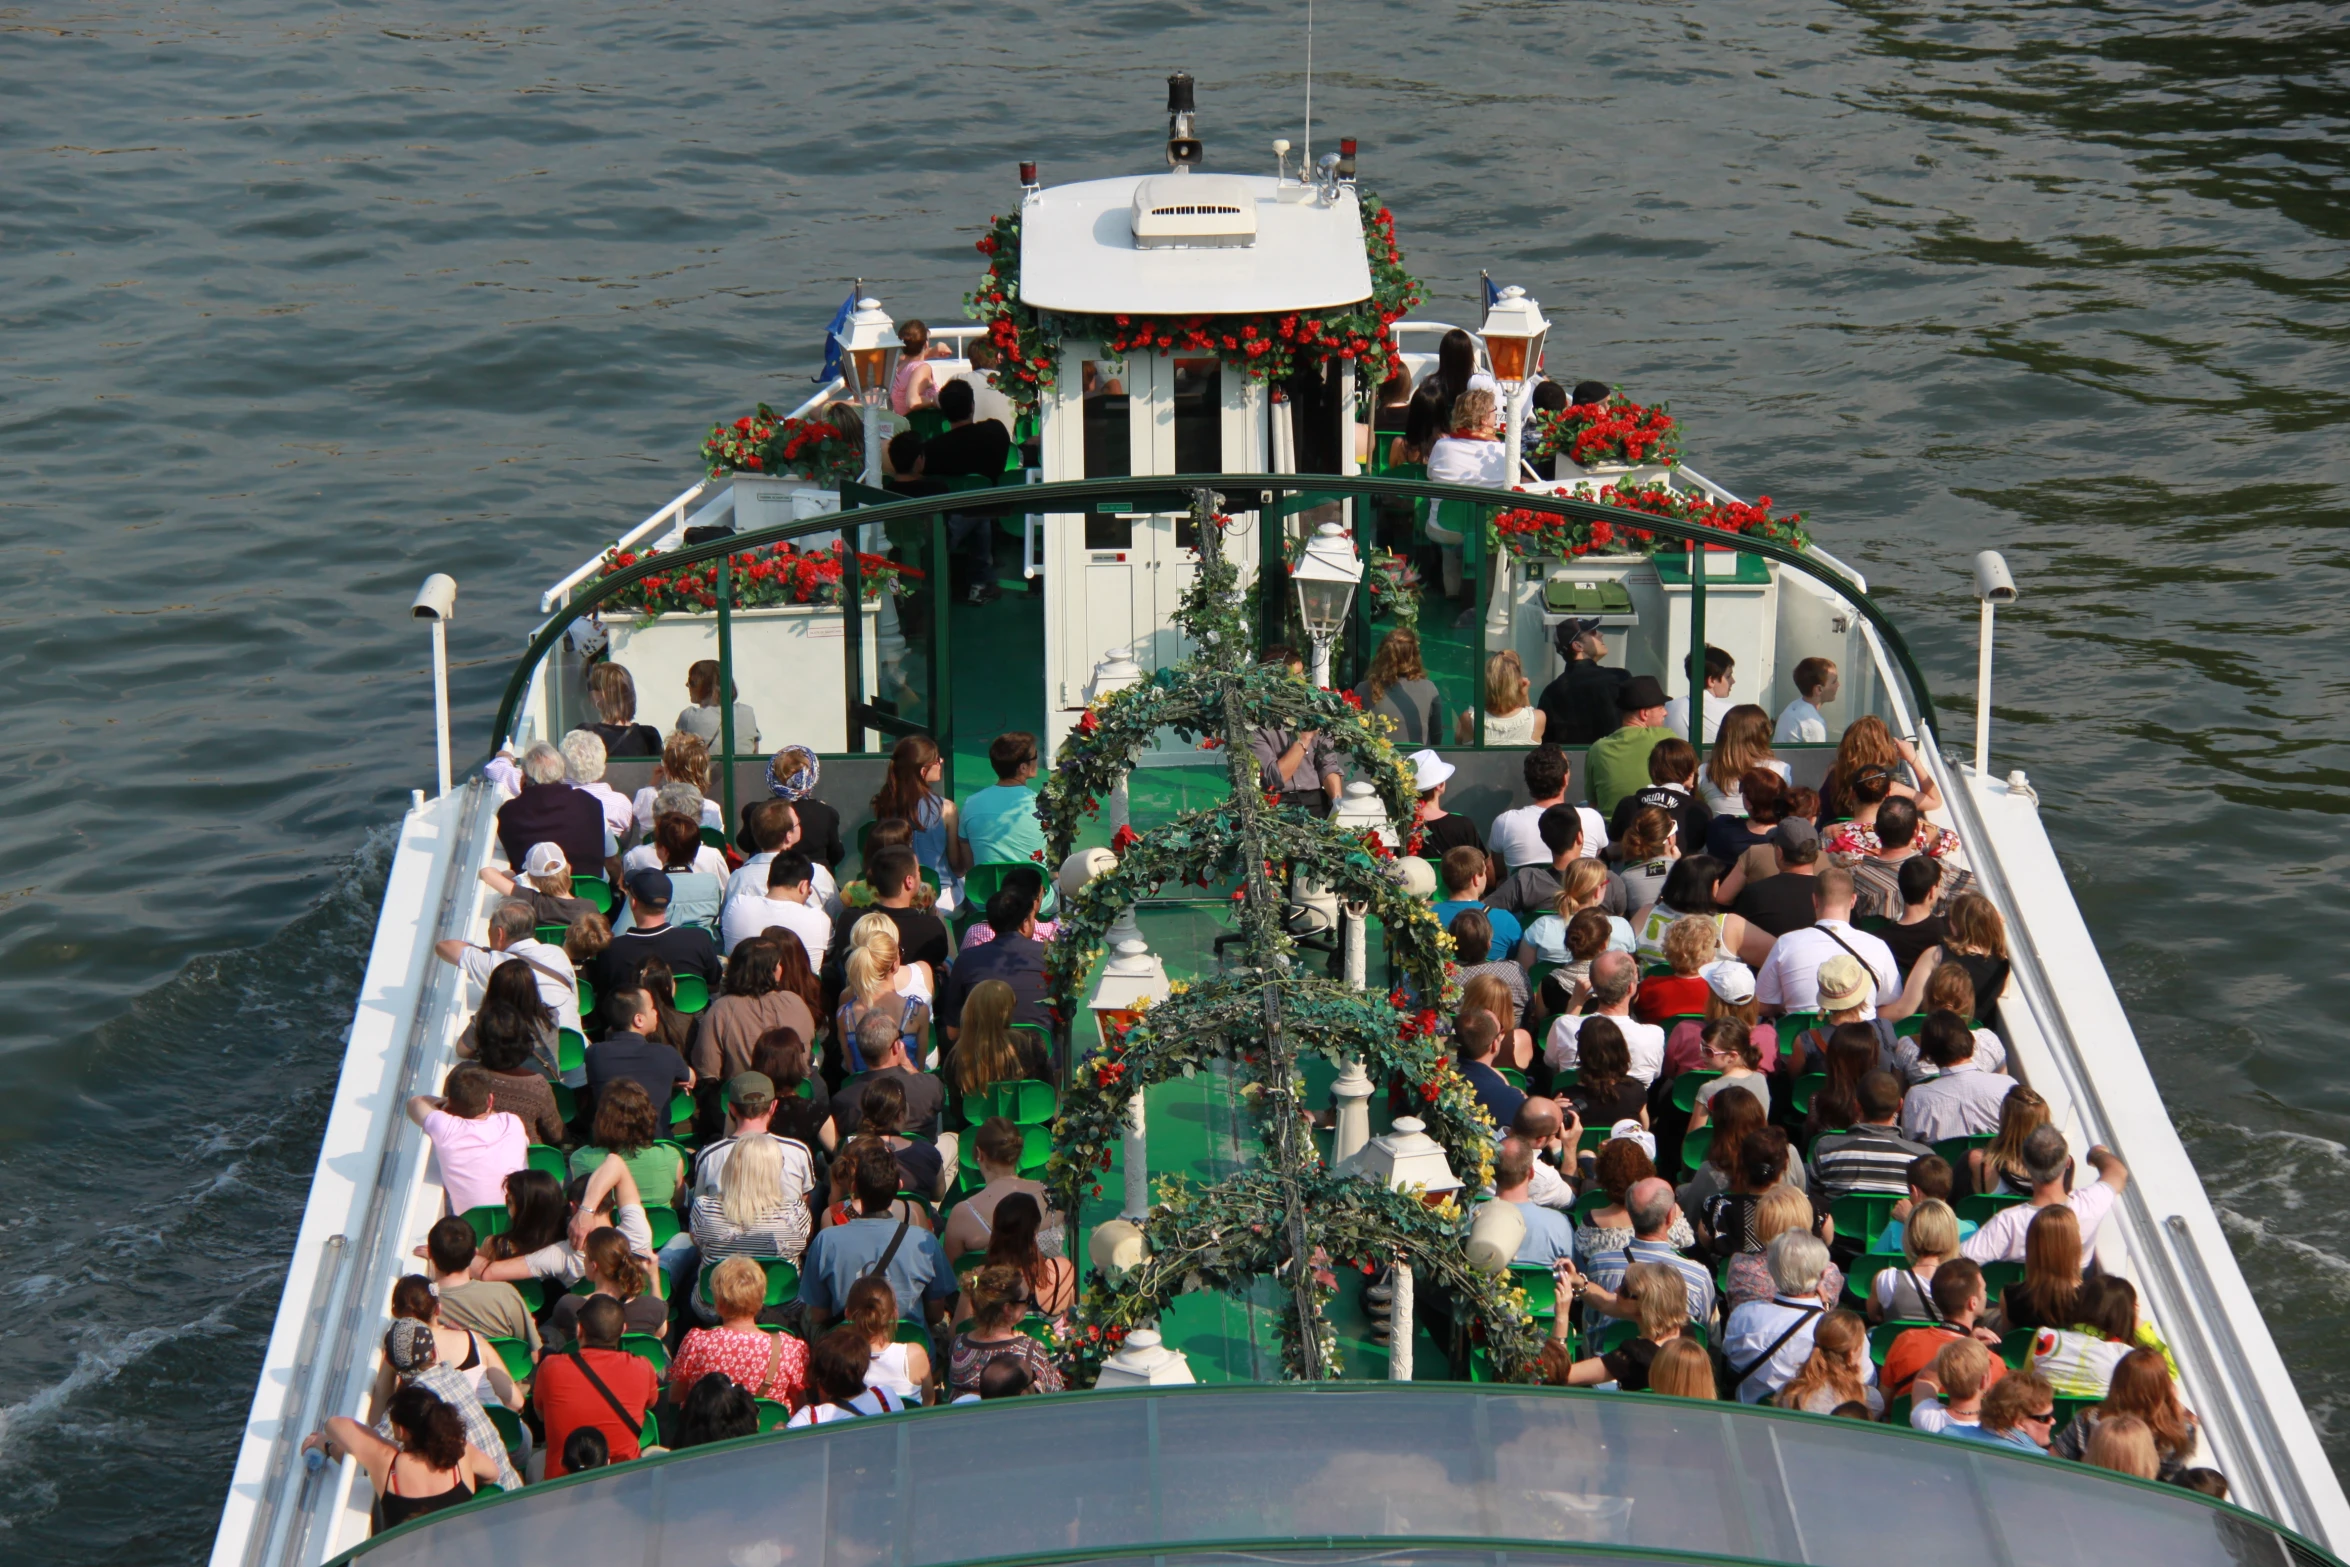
(1440, 830)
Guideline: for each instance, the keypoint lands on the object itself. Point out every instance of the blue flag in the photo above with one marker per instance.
(833, 334)
(1492, 294)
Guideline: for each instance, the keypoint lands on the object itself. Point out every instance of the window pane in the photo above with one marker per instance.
(1109, 441)
(1199, 416)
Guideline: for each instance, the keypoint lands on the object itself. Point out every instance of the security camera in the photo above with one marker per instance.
(1992, 583)
(437, 599)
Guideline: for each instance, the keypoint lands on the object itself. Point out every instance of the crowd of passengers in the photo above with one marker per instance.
(1788, 996)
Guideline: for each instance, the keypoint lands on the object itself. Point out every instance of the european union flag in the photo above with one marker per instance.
(834, 333)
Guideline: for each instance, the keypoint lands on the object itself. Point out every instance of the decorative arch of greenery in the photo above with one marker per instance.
(1224, 1018)
(1221, 1237)
(1287, 1216)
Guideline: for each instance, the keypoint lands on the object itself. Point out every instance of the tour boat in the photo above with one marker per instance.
(1200, 367)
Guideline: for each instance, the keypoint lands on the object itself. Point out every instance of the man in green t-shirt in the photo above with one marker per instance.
(999, 822)
(1617, 764)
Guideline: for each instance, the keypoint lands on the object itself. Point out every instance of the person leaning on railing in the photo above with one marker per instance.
(426, 1466)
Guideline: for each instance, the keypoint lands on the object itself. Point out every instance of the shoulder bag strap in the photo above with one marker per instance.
(1739, 1374)
(579, 1359)
(1847, 946)
(766, 1386)
(567, 979)
(880, 1264)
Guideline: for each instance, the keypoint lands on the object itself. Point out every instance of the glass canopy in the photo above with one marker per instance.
(1409, 1473)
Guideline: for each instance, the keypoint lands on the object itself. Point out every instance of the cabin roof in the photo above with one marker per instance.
(1077, 254)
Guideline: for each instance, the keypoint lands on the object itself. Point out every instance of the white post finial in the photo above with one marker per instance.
(1352, 1090)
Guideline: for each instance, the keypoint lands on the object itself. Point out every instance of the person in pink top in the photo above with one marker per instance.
(477, 1143)
(915, 385)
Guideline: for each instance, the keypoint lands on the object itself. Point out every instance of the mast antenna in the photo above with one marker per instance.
(1309, 158)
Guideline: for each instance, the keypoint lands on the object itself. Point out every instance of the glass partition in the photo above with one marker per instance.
(1548, 1470)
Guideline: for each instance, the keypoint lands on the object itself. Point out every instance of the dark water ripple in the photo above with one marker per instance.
(299, 302)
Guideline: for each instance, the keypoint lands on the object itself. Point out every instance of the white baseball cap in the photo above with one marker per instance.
(545, 859)
(1634, 1132)
(1729, 979)
(1429, 770)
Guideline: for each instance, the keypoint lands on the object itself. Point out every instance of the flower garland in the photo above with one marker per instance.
(780, 574)
(765, 442)
(1529, 534)
(1616, 431)
(1394, 585)
(1264, 346)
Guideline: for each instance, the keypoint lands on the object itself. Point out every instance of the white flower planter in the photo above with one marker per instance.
(790, 665)
(1586, 483)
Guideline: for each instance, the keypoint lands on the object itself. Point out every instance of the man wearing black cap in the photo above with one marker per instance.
(687, 949)
(1617, 763)
(1580, 705)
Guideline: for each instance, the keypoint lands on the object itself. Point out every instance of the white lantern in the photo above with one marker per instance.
(868, 350)
(1143, 1361)
(1406, 1159)
(1325, 580)
(1116, 672)
(1117, 1247)
(1514, 332)
(1414, 875)
(1082, 867)
(1132, 980)
(1360, 808)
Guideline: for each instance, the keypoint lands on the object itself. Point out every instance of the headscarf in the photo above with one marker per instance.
(799, 785)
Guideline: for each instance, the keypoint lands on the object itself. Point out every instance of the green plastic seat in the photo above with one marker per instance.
(1615, 1332)
(783, 1279)
(1588, 1204)
(587, 998)
(507, 1424)
(911, 1332)
(1515, 1078)
(1955, 1149)
(929, 877)
(566, 1102)
(1685, 1089)
(1695, 1146)
(552, 934)
(1980, 1206)
(1859, 1277)
(1997, 1276)
(2066, 1408)
(1910, 1026)
(681, 1111)
(2015, 1347)
(715, 837)
(487, 1220)
(1592, 1137)
(648, 1349)
(550, 1161)
(772, 1415)
(533, 1293)
(514, 1353)
(984, 880)
(1541, 1287)
(1863, 1214)
(1881, 1336)
(969, 1261)
(1037, 1328)
(690, 993)
(928, 423)
(1561, 1081)
(665, 1223)
(570, 1050)
(1791, 1025)
(595, 891)
(1805, 1089)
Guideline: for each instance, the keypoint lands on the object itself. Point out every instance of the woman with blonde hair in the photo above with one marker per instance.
(1929, 1238)
(1835, 1374)
(766, 1364)
(1660, 1305)
(910, 793)
(1682, 1369)
(1397, 688)
(1581, 887)
(877, 977)
(1511, 718)
(759, 1210)
(1743, 741)
(986, 1049)
(2124, 1444)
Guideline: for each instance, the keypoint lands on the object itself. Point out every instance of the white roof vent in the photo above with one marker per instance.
(1193, 211)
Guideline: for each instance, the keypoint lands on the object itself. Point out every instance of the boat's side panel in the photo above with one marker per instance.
(2077, 1046)
(406, 993)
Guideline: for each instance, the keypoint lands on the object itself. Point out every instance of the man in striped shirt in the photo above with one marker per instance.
(1873, 1156)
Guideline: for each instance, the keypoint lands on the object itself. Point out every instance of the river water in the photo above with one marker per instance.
(299, 302)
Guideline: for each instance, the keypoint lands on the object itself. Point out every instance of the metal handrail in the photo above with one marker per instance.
(1075, 494)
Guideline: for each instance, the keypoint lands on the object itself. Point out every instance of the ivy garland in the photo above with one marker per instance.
(1265, 346)
(1260, 1016)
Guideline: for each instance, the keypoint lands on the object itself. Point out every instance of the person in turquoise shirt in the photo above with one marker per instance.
(999, 822)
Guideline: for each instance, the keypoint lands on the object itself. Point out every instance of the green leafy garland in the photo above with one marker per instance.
(1266, 345)
(1287, 1217)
